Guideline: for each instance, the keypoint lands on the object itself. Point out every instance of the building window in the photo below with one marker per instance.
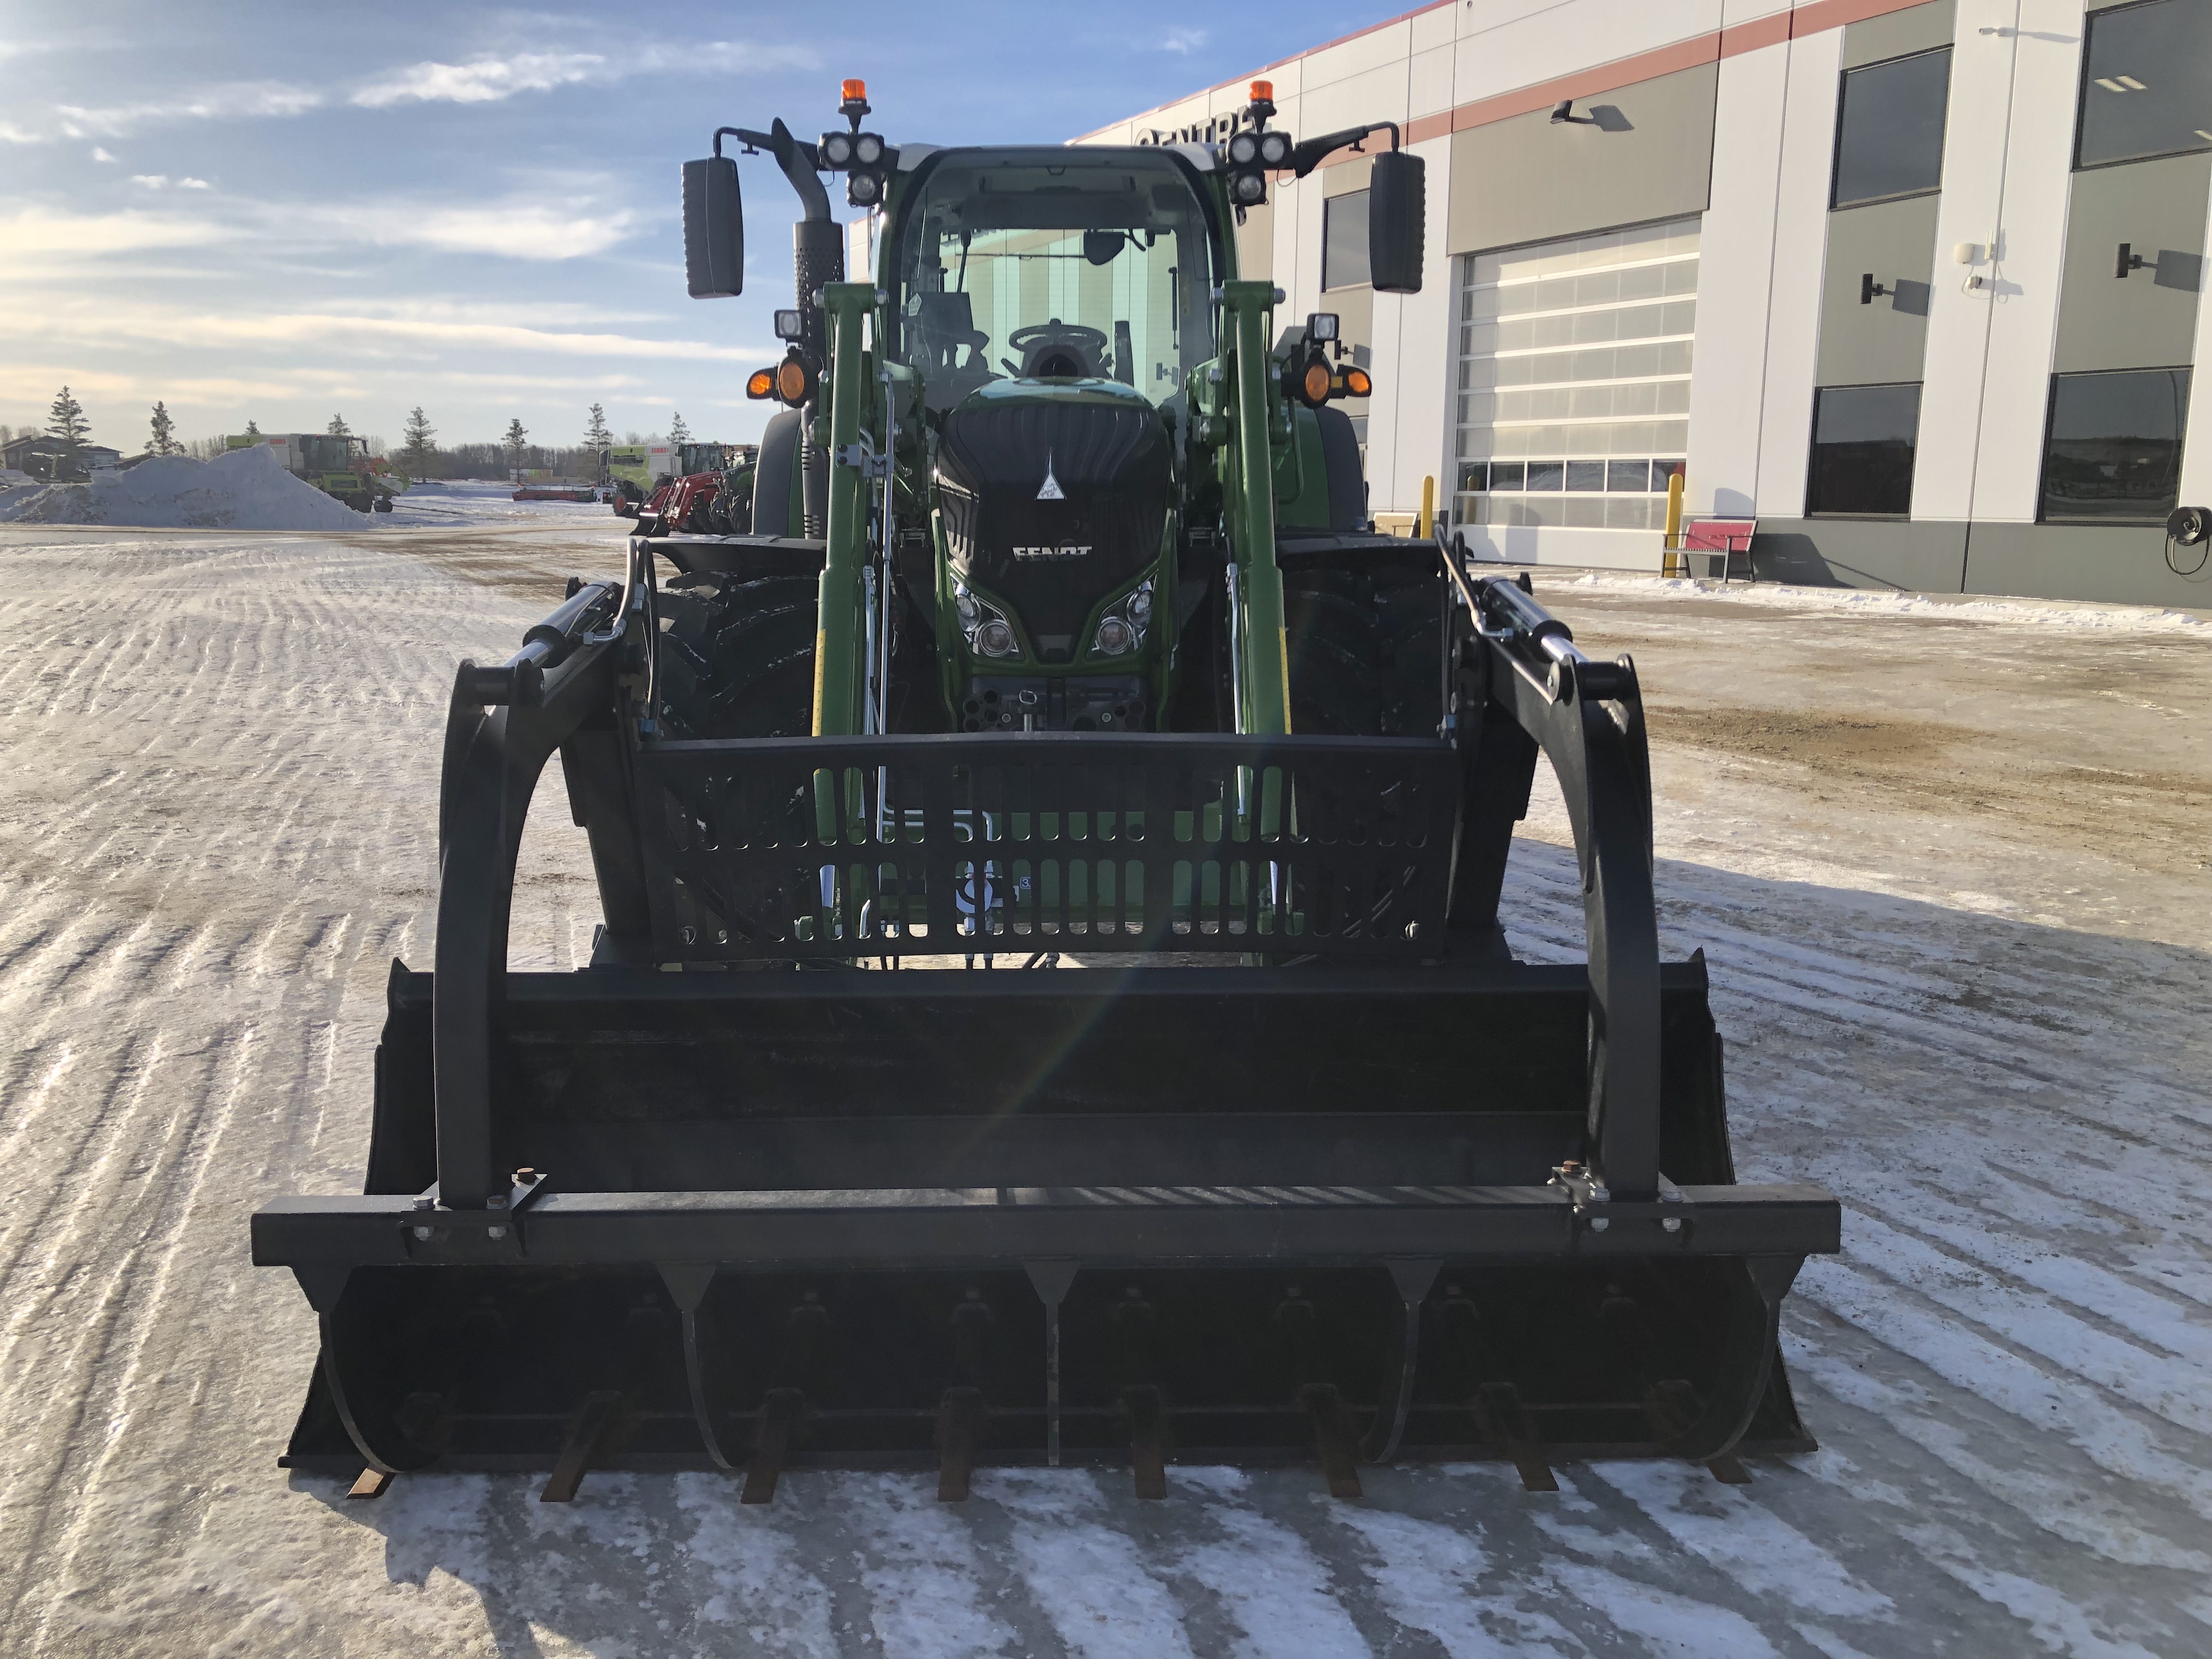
(1343, 240)
(1863, 441)
(1889, 137)
(1574, 374)
(2146, 82)
(2112, 452)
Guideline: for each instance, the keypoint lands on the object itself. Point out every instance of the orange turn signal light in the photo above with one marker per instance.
(854, 92)
(1358, 383)
(791, 378)
(1263, 91)
(1314, 382)
(761, 383)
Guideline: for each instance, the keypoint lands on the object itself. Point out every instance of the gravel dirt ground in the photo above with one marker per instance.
(1952, 863)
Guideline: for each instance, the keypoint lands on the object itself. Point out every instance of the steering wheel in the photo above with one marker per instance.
(1036, 341)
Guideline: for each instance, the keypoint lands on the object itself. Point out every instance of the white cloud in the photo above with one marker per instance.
(193, 183)
(234, 101)
(1183, 40)
(491, 77)
(10, 133)
(484, 80)
(519, 229)
(100, 155)
(34, 231)
(108, 321)
(151, 180)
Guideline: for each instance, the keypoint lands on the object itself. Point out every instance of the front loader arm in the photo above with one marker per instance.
(837, 653)
(1249, 502)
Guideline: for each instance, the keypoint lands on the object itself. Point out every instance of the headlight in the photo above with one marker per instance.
(837, 150)
(1244, 149)
(1248, 189)
(965, 603)
(1275, 149)
(867, 149)
(995, 638)
(1116, 636)
(862, 188)
(1140, 606)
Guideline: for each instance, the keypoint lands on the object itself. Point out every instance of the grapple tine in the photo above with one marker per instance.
(369, 1483)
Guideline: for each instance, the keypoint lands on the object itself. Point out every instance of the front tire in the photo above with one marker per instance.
(737, 659)
(1365, 644)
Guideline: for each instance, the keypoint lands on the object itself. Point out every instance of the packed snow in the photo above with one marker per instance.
(241, 490)
(1953, 869)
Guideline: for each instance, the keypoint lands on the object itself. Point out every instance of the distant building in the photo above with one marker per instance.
(47, 457)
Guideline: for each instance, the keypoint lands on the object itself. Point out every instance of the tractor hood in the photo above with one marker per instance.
(1055, 494)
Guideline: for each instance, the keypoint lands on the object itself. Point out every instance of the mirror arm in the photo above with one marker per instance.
(1314, 151)
(797, 159)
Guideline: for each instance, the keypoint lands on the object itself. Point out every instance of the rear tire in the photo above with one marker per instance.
(1365, 646)
(737, 659)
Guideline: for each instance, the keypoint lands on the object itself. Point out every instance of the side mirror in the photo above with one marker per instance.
(1397, 214)
(713, 229)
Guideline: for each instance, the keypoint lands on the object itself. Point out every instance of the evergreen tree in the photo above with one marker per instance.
(164, 439)
(677, 432)
(517, 438)
(65, 421)
(254, 432)
(338, 428)
(596, 434)
(422, 441)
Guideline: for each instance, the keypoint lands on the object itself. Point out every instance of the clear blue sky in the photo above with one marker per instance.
(282, 212)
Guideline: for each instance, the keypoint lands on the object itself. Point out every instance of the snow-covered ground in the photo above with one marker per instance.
(1952, 867)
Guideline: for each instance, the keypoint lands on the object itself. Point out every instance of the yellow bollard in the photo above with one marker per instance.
(1427, 527)
(1674, 563)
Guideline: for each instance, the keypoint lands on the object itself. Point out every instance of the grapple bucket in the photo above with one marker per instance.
(1366, 1189)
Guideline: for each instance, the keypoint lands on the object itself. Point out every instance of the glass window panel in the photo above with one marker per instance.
(2147, 81)
(1662, 470)
(1633, 477)
(1545, 475)
(1506, 474)
(2113, 450)
(1343, 240)
(1889, 138)
(1471, 477)
(1863, 438)
(1586, 476)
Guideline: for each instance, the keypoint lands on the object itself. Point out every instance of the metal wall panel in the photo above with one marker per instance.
(1527, 178)
(1888, 340)
(2148, 319)
(1917, 28)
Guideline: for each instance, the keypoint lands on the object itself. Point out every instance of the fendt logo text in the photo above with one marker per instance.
(1052, 552)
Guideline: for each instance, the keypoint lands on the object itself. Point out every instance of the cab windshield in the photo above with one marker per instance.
(1055, 265)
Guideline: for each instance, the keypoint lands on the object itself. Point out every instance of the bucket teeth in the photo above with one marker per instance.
(1148, 1448)
(779, 1416)
(959, 1424)
(1333, 1437)
(587, 1432)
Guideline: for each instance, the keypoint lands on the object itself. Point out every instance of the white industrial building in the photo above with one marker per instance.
(1856, 266)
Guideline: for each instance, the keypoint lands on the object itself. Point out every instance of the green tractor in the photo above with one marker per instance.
(1058, 642)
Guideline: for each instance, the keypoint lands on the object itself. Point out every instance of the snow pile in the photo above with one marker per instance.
(2094, 615)
(244, 490)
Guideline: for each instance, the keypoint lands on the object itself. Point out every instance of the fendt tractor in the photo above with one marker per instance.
(1060, 654)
